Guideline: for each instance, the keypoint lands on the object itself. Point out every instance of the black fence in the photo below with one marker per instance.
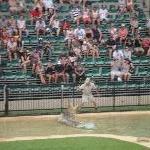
(54, 98)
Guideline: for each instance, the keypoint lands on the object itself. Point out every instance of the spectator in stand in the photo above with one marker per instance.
(95, 16)
(69, 71)
(127, 53)
(25, 59)
(40, 72)
(76, 14)
(88, 34)
(55, 25)
(79, 73)
(138, 50)
(47, 4)
(16, 6)
(60, 72)
(50, 72)
(130, 5)
(97, 34)
(103, 13)
(86, 17)
(146, 46)
(94, 51)
(116, 70)
(113, 32)
(148, 26)
(118, 54)
(38, 4)
(77, 51)
(11, 49)
(126, 75)
(122, 6)
(79, 34)
(21, 24)
(40, 27)
(35, 59)
(111, 45)
(65, 26)
(72, 57)
(35, 14)
(122, 33)
(69, 37)
(134, 25)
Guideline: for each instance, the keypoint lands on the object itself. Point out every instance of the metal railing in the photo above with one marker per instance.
(54, 98)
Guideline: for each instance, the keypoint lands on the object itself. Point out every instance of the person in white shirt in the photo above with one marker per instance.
(11, 48)
(127, 53)
(103, 13)
(55, 24)
(79, 33)
(48, 4)
(87, 95)
(21, 24)
(118, 55)
(40, 26)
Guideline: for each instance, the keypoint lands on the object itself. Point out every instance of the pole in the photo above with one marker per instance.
(62, 95)
(5, 92)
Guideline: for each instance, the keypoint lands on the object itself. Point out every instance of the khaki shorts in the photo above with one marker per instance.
(87, 98)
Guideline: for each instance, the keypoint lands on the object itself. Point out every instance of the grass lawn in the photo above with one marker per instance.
(78, 143)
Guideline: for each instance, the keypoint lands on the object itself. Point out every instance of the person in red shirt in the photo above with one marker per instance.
(35, 14)
(146, 46)
(65, 26)
(122, 33)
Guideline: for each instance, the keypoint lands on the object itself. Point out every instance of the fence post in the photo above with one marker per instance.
(6, 104)
(139, 93)
(114, 95)
(62, 96)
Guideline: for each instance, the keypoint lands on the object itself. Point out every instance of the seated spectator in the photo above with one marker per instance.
(97, 34)
(118, 54)
(103, 13)
(55, 24)
(122, 33)
(134, 25)
(146, 45)
(46, 49)
(38, 4)
(47, 4)
(86, 16)
(59, 72)
(148, 25)
(79, 34)
(130, 5)
(116, 70)
(16, 6)
(76, 14)
(72, 57)
(79, 73)
(11, 48)
(88, 33)
(35, 59)
(35, 14)
(69, 71)
(40, 72)
(94, 51)
(69, 37)
(40, 27)
(95, 16)
(138, 50)
(122, 6)
(50, 72)
(25, 59)
(127, 53)
(65, 25)
(85, 48)
(21, 24)
(77, 51)
(126, 75)
(113, 32)
(111, 45)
